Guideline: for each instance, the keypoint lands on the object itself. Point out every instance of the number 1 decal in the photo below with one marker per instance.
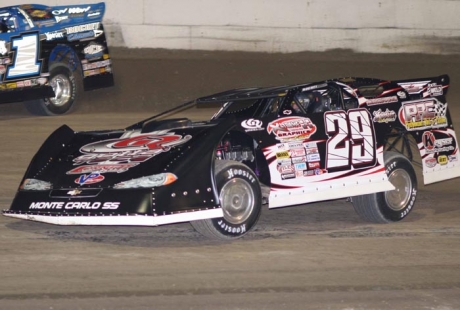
(26, 61)
(352, 139)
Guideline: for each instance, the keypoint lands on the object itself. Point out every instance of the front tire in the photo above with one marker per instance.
(67, 86)
(394, 205)
(240, 198)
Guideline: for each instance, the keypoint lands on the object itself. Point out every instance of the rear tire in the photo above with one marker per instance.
(67, 85)
(394, 205)
(240, 198)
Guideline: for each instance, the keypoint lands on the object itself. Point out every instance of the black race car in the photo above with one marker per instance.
(280, 146)
(49, 55)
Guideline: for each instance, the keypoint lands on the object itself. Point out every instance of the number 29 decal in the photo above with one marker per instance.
(352, 140)
(25, 61)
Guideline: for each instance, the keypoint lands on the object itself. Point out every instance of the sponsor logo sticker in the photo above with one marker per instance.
(442, 160)
(89, 178)
(291, 128)
(252, 125)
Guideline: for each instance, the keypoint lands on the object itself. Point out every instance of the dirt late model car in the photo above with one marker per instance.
(49, 55)
(280, 146)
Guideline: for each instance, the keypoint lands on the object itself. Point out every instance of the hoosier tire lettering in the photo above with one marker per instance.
(394, 205)
(240, 198)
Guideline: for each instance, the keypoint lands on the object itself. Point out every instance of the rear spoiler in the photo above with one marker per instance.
(432, 86)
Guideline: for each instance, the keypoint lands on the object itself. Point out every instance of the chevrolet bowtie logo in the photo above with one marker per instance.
(74, 192)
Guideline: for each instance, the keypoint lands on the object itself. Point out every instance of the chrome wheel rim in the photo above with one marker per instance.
(398, 198)
(237, 201)
(62, 90)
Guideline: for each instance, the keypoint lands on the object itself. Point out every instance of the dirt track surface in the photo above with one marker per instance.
(317, 256)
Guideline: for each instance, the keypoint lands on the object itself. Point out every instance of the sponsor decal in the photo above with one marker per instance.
(60, 11)
(284, 161)
(291, 128)
(384, 116)
(301, 159)
(119, 155)
(401, 94)
(452, 157)
(294, 145)
(286, 169)
(95, 71)
(50, 36)
(414, 88)
(93, 50)
(72, 10)
(433, 145)
(423, 114)
(84, 35)
(297, 152)
(383, 100)
(282, 155)
(82, 28)
(79, 10)
(61, 18)
(89, 178)
(74, 205)
(97, 64)
(115, 168)
(285, 176)
(93, 14)
(319, 171)
(314, 87)
(442, 160)
(313, 157)
(282, 146)
(252, 125)
(435, 89)
(287, 112)
(313, 165)
(300, 166)
(430, 162)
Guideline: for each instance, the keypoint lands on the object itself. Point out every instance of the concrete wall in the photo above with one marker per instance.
(381, 26)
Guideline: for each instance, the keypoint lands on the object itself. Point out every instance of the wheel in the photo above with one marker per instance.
(394, 205)
(240, 198)
(67, 86)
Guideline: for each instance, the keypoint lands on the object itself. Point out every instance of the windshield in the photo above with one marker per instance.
(240, 107)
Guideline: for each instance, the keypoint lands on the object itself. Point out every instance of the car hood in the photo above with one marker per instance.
(101, 159)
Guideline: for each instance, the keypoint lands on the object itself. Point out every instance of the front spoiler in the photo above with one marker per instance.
(128, 220)
(97, 206)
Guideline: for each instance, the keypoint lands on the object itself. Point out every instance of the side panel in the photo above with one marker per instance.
(320, 156)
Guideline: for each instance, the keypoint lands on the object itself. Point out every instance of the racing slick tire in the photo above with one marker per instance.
(240, 198)
(394, 205)
(67, 85)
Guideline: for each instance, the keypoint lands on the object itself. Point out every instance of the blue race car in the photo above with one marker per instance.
(49, 55)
